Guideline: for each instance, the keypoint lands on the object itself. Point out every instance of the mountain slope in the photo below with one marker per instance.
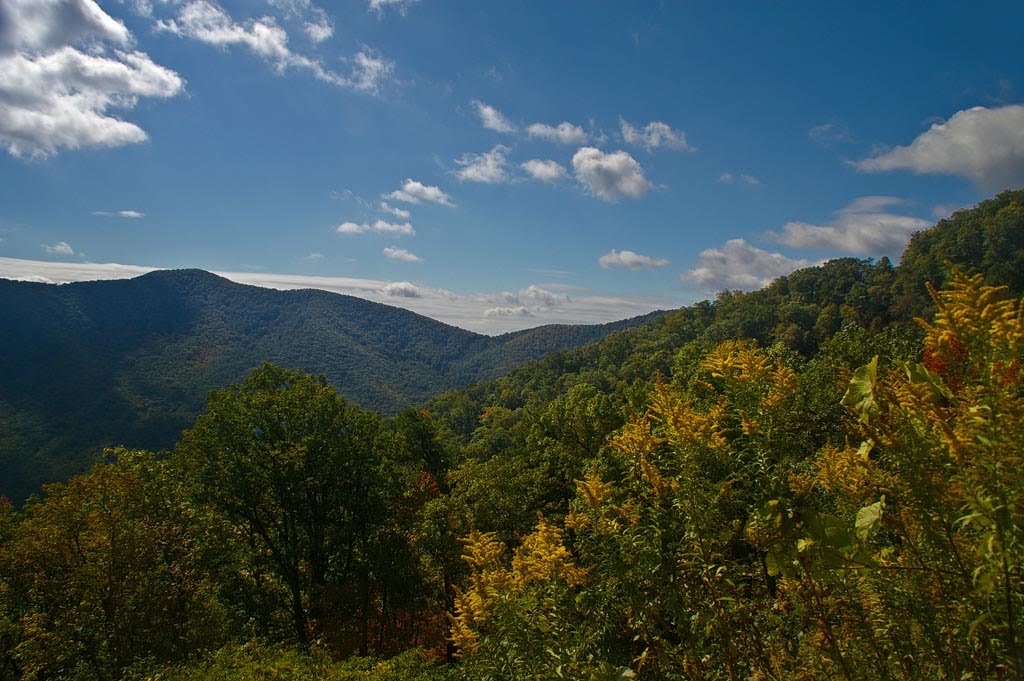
(798, 312)
(96, 363)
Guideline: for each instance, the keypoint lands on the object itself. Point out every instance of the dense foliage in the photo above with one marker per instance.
(794, 483)
(710, 543)
(94, 364)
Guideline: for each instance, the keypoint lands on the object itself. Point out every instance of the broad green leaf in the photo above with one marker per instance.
(860, 395)
(918, 373)
(868, 519)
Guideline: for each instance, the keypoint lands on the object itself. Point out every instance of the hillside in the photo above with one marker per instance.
(848, 309)
(92, 364)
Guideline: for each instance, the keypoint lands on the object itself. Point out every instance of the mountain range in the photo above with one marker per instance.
(91, 364)
(94, 364)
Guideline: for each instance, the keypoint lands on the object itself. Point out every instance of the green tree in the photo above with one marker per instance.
(108, 570)
(294, 470)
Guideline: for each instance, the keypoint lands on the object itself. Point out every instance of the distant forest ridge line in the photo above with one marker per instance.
(492, 313)
(131, 361)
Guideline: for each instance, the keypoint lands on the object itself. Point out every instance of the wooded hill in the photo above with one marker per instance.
(94, 364)
(797, 483)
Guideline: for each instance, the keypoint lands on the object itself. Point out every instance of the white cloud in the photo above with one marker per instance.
(544, 170)
(629, 260)
(865, 226)
(400, 213)
(984, 145)
(563, 133)
(208, 23)
(517, 311)
(351, 228)
(370, 71)
(319, 32)
(56, 96)
(393, 228)
(609, 177)
(313, 257)
(465, 310)
(540, 296)
(655, 135)
(829, 134)
(402, 289)
(412, 191)
(738, 265)
(129, 214)
(205, 21)
(491, 118)
(401, 254)
(490, 167)
(743, 178)
(315, 21)
(59, 248)
(47, 26)
(400, 6)
(378, 226)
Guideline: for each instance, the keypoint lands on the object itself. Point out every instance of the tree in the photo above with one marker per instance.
(293, 469)
(108, 570)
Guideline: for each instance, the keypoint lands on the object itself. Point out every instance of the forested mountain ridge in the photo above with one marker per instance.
(799, 311)
(91, 364)
(799, 482)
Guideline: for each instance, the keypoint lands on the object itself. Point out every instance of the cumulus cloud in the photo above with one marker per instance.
(401, 254)
(400, 213)
(491, 118)
(609, 177)
(540, 296)
(412, 191)
(654, 135)
(378, 226)
(351, 228)
(563, 133)
(629, 260)
(399, 6)
(983, 145)
(738, 265)
(47, 26)
(369, 71)
(517, 311)
(402, 289)
(129, 214)
(865, 226)
(206, 22)
(544, 170)
(56, 96)
(59, 248)
(490, 167)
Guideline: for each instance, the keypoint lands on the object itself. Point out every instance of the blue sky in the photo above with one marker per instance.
(495, 165)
